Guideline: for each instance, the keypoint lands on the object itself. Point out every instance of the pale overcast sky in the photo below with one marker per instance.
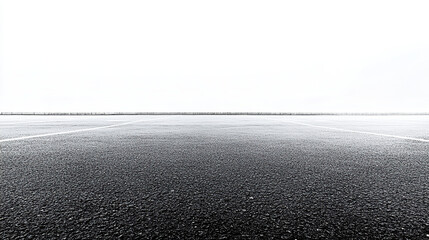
(291, 56)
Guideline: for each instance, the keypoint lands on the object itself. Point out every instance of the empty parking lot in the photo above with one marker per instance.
(244, 177)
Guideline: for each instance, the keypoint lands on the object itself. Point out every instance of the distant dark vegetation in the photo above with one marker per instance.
(203, 113)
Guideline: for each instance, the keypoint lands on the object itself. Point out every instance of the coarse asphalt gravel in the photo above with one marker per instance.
(214, 177)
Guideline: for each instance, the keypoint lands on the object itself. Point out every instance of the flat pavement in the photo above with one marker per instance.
(214, 177)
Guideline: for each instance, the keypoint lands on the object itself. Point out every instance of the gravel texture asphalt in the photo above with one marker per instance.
(214, 177)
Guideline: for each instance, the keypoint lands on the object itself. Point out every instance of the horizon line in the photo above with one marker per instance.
(214, 113)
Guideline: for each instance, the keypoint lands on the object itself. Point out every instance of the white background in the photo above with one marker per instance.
(292, 56)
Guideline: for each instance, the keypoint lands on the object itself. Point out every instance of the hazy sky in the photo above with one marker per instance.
(124, 55)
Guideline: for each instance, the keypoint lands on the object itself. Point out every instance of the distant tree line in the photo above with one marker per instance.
(200, 113)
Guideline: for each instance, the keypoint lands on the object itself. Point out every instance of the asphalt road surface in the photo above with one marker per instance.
(214, 177)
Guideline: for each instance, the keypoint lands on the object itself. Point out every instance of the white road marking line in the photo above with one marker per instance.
(354, 131)
(6, 124)
(75, 131)
(23, 122)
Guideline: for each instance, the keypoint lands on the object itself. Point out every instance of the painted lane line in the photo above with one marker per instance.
(24, 122)
(8, 124)
(354, 131)
(75, 131)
